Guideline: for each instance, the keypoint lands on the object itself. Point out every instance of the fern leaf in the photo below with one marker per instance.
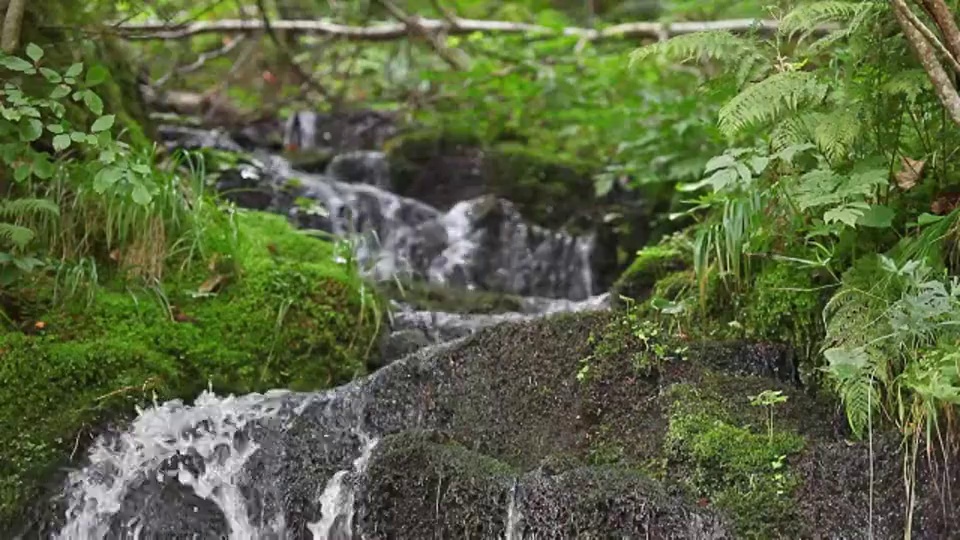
(768, 99)
(714, 45)
(909, 83)
(836, 133)
(16, 235)
(792, 131)
(16, 208)
(807, 17)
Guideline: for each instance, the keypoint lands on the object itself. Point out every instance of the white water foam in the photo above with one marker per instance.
(212, 430)
(337, 499)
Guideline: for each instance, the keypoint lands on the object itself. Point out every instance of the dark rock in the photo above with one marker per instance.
(195, 138)
(246, 188)
(396, 345)
(339, 131)
(361, 167)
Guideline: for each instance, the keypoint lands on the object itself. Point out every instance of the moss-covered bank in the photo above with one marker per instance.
(278, 311)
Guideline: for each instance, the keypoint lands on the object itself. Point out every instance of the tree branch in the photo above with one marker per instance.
(925, 52)
(304, 76)
(200, 61)
(414, 25)
(394, 31)
(943, 17)
(10, 37)
(932, 38)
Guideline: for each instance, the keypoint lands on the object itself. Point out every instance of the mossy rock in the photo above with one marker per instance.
(285, 315)
(442, 167)
(548, 190)
(652, 264)
(741, 470)
(431, 297)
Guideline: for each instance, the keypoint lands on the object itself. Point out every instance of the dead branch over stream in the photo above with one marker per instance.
(449, 26)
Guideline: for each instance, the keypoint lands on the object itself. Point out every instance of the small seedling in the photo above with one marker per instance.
(768, 399)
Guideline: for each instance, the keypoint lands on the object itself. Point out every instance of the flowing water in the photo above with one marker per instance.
(178, 468)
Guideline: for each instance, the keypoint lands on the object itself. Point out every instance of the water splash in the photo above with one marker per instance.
(203, 447)
(514, 526)
(337, 500)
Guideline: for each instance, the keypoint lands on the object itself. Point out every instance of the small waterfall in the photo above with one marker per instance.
(203, 447)
(337, 500)
(514, 527)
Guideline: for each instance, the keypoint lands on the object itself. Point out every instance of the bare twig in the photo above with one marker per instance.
(304, 76)
(413, 23)
(201, 60)
(394, 31)
(925, 52)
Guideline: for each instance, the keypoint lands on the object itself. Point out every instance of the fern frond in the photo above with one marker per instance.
(767, 100)
(15, 208)
(16, 235)
(860, 398)
(792, 131)
(836, 132)
(807, 17)
(717, 45)
(857, 25)
(909, 83)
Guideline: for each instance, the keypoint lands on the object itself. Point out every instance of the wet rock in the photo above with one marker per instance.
(361, 167)
(195, 138)
(396, 345)
(339, 131)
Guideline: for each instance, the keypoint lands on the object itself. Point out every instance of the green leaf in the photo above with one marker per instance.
(93, 102)
(140, 195)
(60, 92)
(34, 52)
(106, 178)
(61, 142)
(15, 64)
(43, 168)
(878, 216)
(51, 75)
(927, 218)
(96, 75)
(21, 173)
(78, 136)
(140, 168)
(719, 162)
(108, 156)
(74, 70)
(103, 123)
(31, 130)
(55, 128)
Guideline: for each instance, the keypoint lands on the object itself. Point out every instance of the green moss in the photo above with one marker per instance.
(740, 469)
(652, 264)
(286, 316)
(409, 152)
(547, 190)
(784, 305)
(444, 166)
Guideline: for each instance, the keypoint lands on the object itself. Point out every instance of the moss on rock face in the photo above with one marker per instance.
(740, 470)
(285, 315)
(652, 264)
(446, 166)
(785, 305)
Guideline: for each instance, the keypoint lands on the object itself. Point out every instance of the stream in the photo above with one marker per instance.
(295, 465)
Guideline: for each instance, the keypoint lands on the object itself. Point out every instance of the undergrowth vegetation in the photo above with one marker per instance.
(122, 279)
(827, 220)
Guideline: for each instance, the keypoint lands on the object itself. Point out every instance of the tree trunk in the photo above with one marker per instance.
(10, 37)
